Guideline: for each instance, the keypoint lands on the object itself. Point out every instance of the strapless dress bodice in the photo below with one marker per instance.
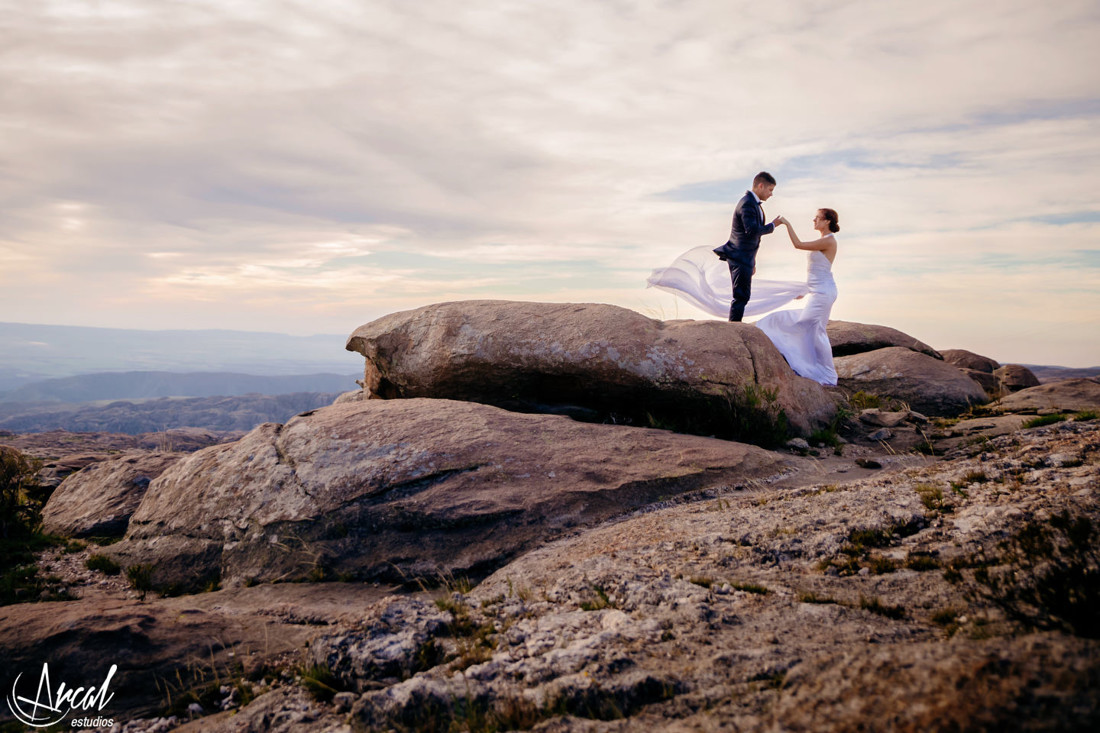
(819, 273)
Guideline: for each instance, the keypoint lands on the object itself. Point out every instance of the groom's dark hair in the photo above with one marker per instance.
(764, 177)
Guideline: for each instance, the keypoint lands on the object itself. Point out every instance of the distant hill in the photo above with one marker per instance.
(242, 412)
(145, 385)
(1057, 373)
(30, 352)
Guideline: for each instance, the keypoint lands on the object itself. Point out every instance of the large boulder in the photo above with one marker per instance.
(928, 385)
(969, 360)
(57, 470)
(1014, 377)
(1070, 395)
(594, 362)
(986, 380)
(995, 379)
(401, 489)
(97, 500)
(849, 338)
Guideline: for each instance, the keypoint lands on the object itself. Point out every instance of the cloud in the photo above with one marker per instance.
(375, 156)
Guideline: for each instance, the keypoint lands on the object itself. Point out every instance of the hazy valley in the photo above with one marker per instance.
(127, 381)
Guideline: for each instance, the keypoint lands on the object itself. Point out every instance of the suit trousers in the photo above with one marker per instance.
(741, 275)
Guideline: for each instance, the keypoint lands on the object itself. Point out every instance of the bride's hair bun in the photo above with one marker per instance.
(833, 219)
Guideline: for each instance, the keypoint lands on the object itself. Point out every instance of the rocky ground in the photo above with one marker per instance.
(835, 596)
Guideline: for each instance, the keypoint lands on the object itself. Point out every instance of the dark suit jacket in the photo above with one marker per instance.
(748, 227)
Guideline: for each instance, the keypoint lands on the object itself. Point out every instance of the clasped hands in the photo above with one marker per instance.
(780, 220)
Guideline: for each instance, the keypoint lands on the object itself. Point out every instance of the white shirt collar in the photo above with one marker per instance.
(756, 197)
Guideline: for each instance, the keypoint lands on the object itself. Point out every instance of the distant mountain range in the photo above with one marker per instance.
(130, 381)
(1057, 373)
(146, 385)
(242, 412)
(31, 353)
(144, 402)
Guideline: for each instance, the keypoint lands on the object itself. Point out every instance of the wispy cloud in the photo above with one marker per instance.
(308, 166)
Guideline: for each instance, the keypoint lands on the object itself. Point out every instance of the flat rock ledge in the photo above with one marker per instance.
(398, 490)
(1068, 395)
(594, 362)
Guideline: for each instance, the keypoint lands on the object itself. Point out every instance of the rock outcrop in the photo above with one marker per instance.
(995, 379)
(1069, 395)
(986, 380)
(969, 360)
(55, 471)
(596, 362)
(401, 489)
(849, 338)
(389, 643)
(97, 501)
(928, 385)
(1014, 377)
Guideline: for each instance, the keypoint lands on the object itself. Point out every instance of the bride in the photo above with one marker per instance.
(800, 336)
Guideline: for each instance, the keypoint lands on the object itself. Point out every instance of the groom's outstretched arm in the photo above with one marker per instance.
(751, 224)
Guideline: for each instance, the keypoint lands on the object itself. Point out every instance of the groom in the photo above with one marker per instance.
(740, 251)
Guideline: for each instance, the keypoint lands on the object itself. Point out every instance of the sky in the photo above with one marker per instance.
(304, 167)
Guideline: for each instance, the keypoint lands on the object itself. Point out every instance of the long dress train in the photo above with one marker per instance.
(703, 280)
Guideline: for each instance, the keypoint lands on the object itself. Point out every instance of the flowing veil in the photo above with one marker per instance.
(703, 280)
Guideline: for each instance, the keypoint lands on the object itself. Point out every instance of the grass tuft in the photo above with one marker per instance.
(601, 601)
(1041, 420)
(141, 578)
(811, 597)
(750, 588)
(922, 562)
(320, 682)
(931, 497)
(102, 564)
(874, 605)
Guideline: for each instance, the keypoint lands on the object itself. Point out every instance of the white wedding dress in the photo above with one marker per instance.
(703, 280)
